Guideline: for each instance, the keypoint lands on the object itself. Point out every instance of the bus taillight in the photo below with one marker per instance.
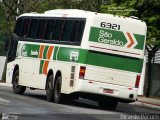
(137, 81)
(82, 72)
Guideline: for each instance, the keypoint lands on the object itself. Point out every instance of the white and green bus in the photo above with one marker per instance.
(74, 53)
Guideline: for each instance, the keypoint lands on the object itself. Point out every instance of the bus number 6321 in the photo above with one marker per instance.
(110, 25)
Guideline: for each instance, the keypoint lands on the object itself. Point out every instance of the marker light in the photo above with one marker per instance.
(82, 72)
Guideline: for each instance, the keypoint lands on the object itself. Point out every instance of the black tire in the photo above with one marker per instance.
(49, 89)
(58, 96)
(109, 104)
(17, 89)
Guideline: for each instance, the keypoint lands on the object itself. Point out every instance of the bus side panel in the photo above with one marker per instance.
(68, 76)
(31, 73)
(29, 61)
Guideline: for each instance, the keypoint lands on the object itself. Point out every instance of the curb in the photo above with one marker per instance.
(5, 84)
(146, 104)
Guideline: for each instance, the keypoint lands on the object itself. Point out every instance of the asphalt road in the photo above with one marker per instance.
(33, 106)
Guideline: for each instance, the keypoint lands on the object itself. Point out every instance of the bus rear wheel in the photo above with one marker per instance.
(17, 89)
(109, 104)
(58, 96)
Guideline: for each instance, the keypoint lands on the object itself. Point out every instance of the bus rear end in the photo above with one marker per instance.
(113, 58)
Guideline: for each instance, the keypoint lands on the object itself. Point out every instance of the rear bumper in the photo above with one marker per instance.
(120, 92)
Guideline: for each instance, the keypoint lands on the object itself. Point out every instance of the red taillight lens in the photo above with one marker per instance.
(82, 72)
(137, 81)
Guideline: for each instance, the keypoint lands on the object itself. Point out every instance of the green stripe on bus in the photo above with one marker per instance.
(89, 57)
(102, 59)
(115, 62)
(45, 52)
(82, 56)
(55, 52)
(41, 66)
(64, 53)
(140, 39)
(32, 50)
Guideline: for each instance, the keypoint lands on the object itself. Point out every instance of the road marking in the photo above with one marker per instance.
(4, 100)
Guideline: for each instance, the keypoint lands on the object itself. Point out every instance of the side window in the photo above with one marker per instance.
(49, 29)
(57, 33)
(74, 31)
(33, 28)
(18, 26)
(25, 26)
(80, 31)
(67, 29)
(40, 29)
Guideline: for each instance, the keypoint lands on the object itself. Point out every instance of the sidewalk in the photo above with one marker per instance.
(5, 84)
(148, 102)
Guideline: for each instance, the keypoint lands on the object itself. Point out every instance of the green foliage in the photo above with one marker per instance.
(9, 10)
(4, 38)
(151, 15)
(146, 10)
(2, 20)
(120, 7)
(2, 33)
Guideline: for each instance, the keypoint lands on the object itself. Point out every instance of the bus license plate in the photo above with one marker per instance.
(110, 91)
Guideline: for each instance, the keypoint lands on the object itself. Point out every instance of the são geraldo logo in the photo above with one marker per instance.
(107, 38)
(22, 50)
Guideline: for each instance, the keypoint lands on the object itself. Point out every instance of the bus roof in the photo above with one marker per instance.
(75, 13)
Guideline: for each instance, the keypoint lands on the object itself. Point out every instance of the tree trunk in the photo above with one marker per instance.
(149, 76)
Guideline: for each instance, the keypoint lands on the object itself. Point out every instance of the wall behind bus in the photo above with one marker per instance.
(2, 63)
(155, 81)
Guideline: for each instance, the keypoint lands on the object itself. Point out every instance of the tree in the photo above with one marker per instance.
(12, 9)
(149, 11)
(3, 34)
